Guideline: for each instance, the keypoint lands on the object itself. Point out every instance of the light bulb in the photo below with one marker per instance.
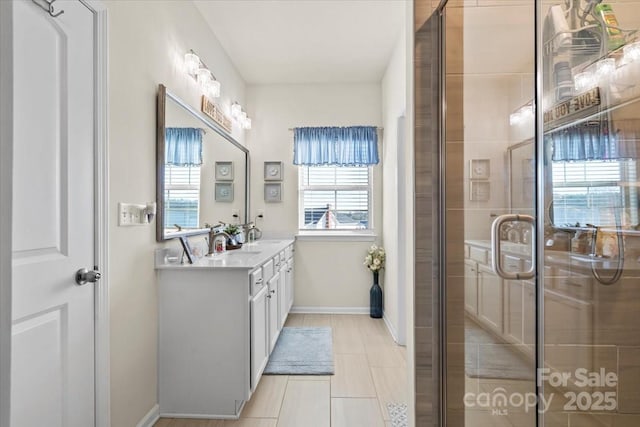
(213, 88)
(203, 76)
(236, 110)
(191, 63)
(515, 118)
(605, 68)
(585, 81)
(247, 123)
(631, 52)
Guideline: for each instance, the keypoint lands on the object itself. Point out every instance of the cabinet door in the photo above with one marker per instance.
(282, 295)
(259, 335)
(289, 284)
(274, 330)
(471, 287)
(529, 314)
(568, 331)
(490, 298)
(513, 310)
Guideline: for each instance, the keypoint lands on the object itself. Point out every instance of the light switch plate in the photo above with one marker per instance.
(131, 214)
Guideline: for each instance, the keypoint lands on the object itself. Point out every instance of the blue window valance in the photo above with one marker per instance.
(337, 146)
(595, 140)
(183, 146)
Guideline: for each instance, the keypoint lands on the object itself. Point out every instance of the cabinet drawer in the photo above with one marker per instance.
(511, 264)
(288, 252)
(256, 281)
(283, 258)
(267, 270)
(573, 284)
(480, 255)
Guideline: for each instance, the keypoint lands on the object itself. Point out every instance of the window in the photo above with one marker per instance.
(182, 196)
(335, 197)
(595, 192)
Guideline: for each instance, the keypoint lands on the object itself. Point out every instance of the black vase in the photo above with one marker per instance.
(375, 301)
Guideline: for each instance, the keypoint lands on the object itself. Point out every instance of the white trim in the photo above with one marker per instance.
(401, 335)
(101, 173)
(337, 236)
(329, 310)
(200, 416)
(6, 187)
(391, 329)
(150, 419)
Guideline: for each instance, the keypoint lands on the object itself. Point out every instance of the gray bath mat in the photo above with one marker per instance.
(485, 357)
(302, 351)
(398, 414)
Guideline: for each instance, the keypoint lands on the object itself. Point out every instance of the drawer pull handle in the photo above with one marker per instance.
(258, 281)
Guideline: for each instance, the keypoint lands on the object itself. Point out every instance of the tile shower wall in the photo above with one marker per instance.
(426, 154)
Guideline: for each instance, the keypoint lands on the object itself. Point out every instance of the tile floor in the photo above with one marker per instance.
(370, 371)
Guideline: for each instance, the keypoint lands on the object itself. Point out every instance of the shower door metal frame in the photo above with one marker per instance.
(538, 255)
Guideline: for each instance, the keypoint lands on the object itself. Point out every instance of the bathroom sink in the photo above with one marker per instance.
(229, 258)
(265, 242)
(237, 254)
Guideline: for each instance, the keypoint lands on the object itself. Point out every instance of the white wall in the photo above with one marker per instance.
(393, 106)
(147, 43)
(328, 274)
(6, 189)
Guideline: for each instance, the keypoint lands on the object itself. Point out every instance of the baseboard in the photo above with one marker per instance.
(150, 419)
(390, 327)
(330, 310)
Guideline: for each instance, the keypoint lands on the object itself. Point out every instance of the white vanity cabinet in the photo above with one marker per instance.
(283, 309)
(260, 347)
(274, 318)
(219, 320)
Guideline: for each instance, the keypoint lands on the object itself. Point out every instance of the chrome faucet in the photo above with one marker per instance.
(215, 231)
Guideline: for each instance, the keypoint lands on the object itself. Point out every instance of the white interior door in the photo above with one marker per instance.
(53, 216)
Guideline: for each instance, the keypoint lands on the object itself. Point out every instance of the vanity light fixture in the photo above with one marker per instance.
(240, 116)
(632, 52)
(199, 71)
(236, 110)
(605, 68)
(521, 114)
(191, 62)
(585, 81)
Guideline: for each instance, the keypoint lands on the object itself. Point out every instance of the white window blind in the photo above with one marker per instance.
(595, 192)
(182, 196)
(334, 197)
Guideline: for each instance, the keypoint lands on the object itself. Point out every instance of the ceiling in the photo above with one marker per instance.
(307, 41)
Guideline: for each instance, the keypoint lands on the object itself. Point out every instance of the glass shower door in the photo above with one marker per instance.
(589, 61)
(490, 172)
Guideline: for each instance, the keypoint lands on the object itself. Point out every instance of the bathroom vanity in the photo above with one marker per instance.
(219, 320)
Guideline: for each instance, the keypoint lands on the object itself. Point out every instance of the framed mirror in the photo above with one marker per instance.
(189, 147)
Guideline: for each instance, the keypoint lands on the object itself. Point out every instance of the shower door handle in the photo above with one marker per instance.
(496, 250)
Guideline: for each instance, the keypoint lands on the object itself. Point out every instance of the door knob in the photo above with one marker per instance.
(84, 276)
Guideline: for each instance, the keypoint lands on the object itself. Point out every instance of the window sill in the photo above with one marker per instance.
(347, 236)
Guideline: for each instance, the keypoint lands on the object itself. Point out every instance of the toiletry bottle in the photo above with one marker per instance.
(614, 35)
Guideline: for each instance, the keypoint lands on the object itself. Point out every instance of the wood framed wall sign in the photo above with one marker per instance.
(215, 113)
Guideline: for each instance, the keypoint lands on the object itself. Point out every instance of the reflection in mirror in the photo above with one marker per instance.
(191, 149)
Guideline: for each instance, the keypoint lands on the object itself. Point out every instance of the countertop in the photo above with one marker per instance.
(561, 258)
(250, 256)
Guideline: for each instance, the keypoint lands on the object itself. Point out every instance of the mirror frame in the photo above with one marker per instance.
(163, 93)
